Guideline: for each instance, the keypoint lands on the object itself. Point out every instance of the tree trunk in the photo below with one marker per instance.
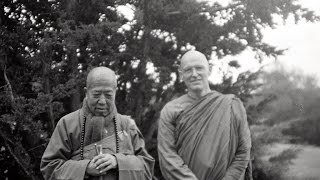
(143, 63)
(46, 67)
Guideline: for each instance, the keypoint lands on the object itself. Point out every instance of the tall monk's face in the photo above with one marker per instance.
(101, 93)
(194, 71)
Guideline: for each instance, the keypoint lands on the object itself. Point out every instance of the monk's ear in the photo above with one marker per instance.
(180, 75)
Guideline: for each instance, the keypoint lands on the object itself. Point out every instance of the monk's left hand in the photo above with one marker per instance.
(105, 162)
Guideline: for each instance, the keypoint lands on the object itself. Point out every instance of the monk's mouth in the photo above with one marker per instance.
(196, 81)
(101, 109)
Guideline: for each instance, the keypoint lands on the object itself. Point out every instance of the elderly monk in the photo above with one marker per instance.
(96, 142)
(203, 134)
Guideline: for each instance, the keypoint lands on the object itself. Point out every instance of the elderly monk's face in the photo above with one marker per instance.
(101, 94)
(195, 71)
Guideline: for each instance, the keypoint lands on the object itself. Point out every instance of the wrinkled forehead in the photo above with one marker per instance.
(101, 79)
(192, 59)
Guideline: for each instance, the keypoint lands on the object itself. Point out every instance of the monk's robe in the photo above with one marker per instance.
(62, 159)
(205, 139)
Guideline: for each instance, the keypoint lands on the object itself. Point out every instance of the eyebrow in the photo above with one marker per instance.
(99, 91)
(186, 67)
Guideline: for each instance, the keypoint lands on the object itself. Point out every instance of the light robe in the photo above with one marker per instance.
(61, 159)
(205, 139)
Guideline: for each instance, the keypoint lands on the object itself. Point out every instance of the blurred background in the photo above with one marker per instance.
(264, 51)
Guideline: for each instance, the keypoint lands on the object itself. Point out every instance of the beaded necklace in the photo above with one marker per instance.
(83, 133)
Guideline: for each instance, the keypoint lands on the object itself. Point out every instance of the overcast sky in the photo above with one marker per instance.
(302, 41)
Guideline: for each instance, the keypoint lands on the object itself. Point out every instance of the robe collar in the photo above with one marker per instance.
(94, 123)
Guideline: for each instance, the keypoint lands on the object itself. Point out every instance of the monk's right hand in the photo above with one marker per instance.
(92, 171)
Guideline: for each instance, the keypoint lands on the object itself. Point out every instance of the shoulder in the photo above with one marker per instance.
(237, 108)
(236, 102)
(127, 122)
(228, 97)
(175, 104)
(172, 109)
(232, 99)
(69, 120)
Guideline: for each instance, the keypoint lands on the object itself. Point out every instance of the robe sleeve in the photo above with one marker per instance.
(138, 166)
(240, 162)
(171, 164)
(56, 161)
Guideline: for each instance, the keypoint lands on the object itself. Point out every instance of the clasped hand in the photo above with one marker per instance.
(100, 164)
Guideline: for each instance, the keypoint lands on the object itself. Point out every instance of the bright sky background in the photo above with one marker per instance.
(302, 41)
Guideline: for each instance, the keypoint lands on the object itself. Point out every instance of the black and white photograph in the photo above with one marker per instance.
(159, 90)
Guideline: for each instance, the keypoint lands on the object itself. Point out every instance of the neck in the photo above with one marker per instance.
(199, 94)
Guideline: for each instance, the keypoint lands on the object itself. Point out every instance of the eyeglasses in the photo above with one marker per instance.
(189, 70)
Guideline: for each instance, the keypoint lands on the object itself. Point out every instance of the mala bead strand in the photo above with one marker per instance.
(116, 134)
(82, 137)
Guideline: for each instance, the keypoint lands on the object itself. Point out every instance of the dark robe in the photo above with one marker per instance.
(61, 159)
(205, 139)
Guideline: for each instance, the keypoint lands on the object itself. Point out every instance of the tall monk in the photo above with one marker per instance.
(96, 142)
(203, 135)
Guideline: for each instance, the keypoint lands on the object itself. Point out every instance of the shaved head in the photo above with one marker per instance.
(100, 75)
(192, 56)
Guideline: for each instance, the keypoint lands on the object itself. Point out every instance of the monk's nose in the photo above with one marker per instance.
(102, 100)
(194, 72)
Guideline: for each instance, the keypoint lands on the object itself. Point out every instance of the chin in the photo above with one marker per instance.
(101, 112)
(196, 88)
